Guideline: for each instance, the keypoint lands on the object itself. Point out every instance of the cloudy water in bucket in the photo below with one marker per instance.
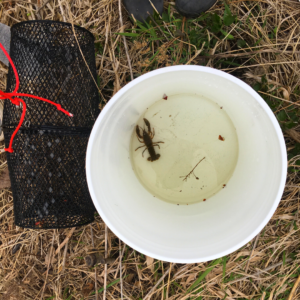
(195, 149)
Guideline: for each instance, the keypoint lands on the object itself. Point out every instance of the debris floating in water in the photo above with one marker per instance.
(192, 172)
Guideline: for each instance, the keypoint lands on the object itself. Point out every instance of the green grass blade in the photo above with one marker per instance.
(204, 274)
(224, 266)
(131, 34)
(283, 257)
(109, 285)
(70, 297)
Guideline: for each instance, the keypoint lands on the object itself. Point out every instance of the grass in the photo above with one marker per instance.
(256, 41)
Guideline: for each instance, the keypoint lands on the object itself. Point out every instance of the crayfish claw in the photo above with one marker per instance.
(138, 133)
(148, 125)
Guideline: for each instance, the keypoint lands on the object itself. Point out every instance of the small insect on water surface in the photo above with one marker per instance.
(146, 138)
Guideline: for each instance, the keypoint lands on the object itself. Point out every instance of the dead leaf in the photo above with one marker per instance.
(256, 258)
(99, 278)
(129, 278)
(257, 76)
(295, 135)
(210, 277)
(247, 253)
(5, 180)
(109, 272)
(227, 45)
(284, 217)
(285, 92)
(86, 290)
(150, 263)
(53, 260)
(88, 13)
(16, 248)
(190, 278)
(179, 33)
(239, 293)
(221, 294)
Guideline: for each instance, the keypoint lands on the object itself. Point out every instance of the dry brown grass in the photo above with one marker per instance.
(50, 262)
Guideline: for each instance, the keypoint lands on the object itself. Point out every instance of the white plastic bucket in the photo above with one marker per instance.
(202, 231)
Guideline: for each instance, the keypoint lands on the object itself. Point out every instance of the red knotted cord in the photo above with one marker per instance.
(12, 97)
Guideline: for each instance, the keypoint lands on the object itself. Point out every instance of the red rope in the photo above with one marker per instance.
(13, 98)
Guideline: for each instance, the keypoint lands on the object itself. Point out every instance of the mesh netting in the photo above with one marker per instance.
(47, 167)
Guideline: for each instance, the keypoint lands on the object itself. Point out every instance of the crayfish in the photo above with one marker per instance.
(146, 138)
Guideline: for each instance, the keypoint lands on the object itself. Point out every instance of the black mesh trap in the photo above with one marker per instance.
(47, 167)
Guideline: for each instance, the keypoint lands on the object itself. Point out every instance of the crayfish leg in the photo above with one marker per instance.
(144, 151)
(140, 147)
